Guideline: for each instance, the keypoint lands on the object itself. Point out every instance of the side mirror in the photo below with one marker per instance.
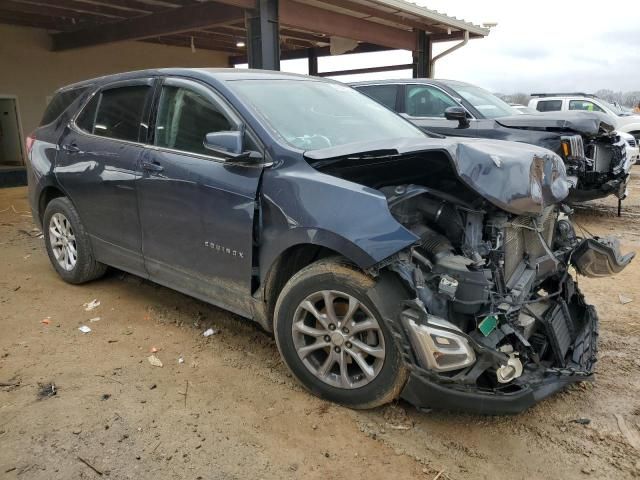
(459, 114)
(228, 144)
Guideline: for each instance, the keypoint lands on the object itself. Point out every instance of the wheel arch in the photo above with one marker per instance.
(280, 266)
(48, 193)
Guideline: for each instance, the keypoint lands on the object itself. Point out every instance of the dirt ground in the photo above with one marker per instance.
(231, 410)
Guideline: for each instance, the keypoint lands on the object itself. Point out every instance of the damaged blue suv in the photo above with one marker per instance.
(385, 262)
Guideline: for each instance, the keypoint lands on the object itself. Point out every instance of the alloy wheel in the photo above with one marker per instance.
(63, 241)
(338, 339)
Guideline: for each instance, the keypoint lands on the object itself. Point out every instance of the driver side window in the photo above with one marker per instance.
(427, 101)
(184, 118)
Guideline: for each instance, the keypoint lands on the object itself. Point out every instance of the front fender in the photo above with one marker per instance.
(300, 205)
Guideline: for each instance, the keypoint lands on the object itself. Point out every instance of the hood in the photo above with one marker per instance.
(585, 123)
(518, 178)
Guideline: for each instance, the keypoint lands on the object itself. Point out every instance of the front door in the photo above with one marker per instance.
(424, 105)
(196, 208)
(97, 167)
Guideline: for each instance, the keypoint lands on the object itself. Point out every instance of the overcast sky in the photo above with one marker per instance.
(537, 46)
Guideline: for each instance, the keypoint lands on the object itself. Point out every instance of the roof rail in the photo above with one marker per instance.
(565, 94)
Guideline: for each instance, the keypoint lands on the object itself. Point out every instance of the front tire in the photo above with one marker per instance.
(331, 334)
(68, 244)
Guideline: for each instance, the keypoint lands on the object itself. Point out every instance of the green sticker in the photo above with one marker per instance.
(488, 325)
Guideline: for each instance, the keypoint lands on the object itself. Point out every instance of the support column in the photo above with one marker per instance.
(312, 55)
(263, 36)
(422, 55)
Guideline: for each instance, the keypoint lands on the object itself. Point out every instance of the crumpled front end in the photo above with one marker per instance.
(597, 166)
(595, 155)
(495, 320)
(498, 322)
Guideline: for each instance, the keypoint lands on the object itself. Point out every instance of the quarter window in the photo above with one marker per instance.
(184, 119)
(59, 103)
(584, 105)
(427, 101)
(384, 94)
(549, 105)
(116, 113)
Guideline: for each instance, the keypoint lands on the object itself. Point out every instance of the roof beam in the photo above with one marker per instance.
(294, 14)
(49, 10)
(36, 21)
(168, 22)
(130, 5)
(357, 71)
(320, 51)
(198, 43)
(79, 6)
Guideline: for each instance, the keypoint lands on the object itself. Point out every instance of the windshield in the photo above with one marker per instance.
(486, 103)
(311, 115)
(616, 109)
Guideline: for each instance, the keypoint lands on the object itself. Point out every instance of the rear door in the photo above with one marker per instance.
(97, 167)
(196, 208)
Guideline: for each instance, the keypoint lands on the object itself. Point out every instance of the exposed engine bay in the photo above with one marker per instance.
(596, 165)
(497, 312)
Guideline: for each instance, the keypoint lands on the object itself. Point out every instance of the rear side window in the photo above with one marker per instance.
(384, 94)
(184, 119)
(116, 113)
(59, 103)
(549, 105)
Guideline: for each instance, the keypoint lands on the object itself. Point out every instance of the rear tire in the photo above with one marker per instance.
(345, 354)
(68, 244)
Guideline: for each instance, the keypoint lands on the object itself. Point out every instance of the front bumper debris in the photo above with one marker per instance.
(596, 257)
(573, 330)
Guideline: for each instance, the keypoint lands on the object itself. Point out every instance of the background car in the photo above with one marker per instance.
(523, 108)
(595, 157)
(625, 121)
(633, 149)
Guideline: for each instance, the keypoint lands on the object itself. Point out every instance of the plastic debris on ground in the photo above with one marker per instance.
(155, 361)
(47, 390)
(210, 331)
(624, 299)
(84, 329)
(91, 305)
(46, 321)
(95, 319)
(154, 350)
(180, 360)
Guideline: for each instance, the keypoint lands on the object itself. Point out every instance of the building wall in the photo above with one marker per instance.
(31, 72)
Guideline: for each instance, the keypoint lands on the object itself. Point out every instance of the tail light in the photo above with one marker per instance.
(29, 144)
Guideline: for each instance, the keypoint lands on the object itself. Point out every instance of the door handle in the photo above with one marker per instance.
(152, 166)
(71, 148)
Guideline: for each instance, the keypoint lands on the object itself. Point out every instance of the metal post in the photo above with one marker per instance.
(422, 55)
(263, 36)
(312, 55)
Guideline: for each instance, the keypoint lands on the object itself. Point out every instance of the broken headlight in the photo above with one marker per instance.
(437, 345)
(572, 146)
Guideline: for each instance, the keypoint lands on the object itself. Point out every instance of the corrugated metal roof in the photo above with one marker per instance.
(433, 15)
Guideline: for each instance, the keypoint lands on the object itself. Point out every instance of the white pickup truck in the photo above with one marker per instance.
(625, 122)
